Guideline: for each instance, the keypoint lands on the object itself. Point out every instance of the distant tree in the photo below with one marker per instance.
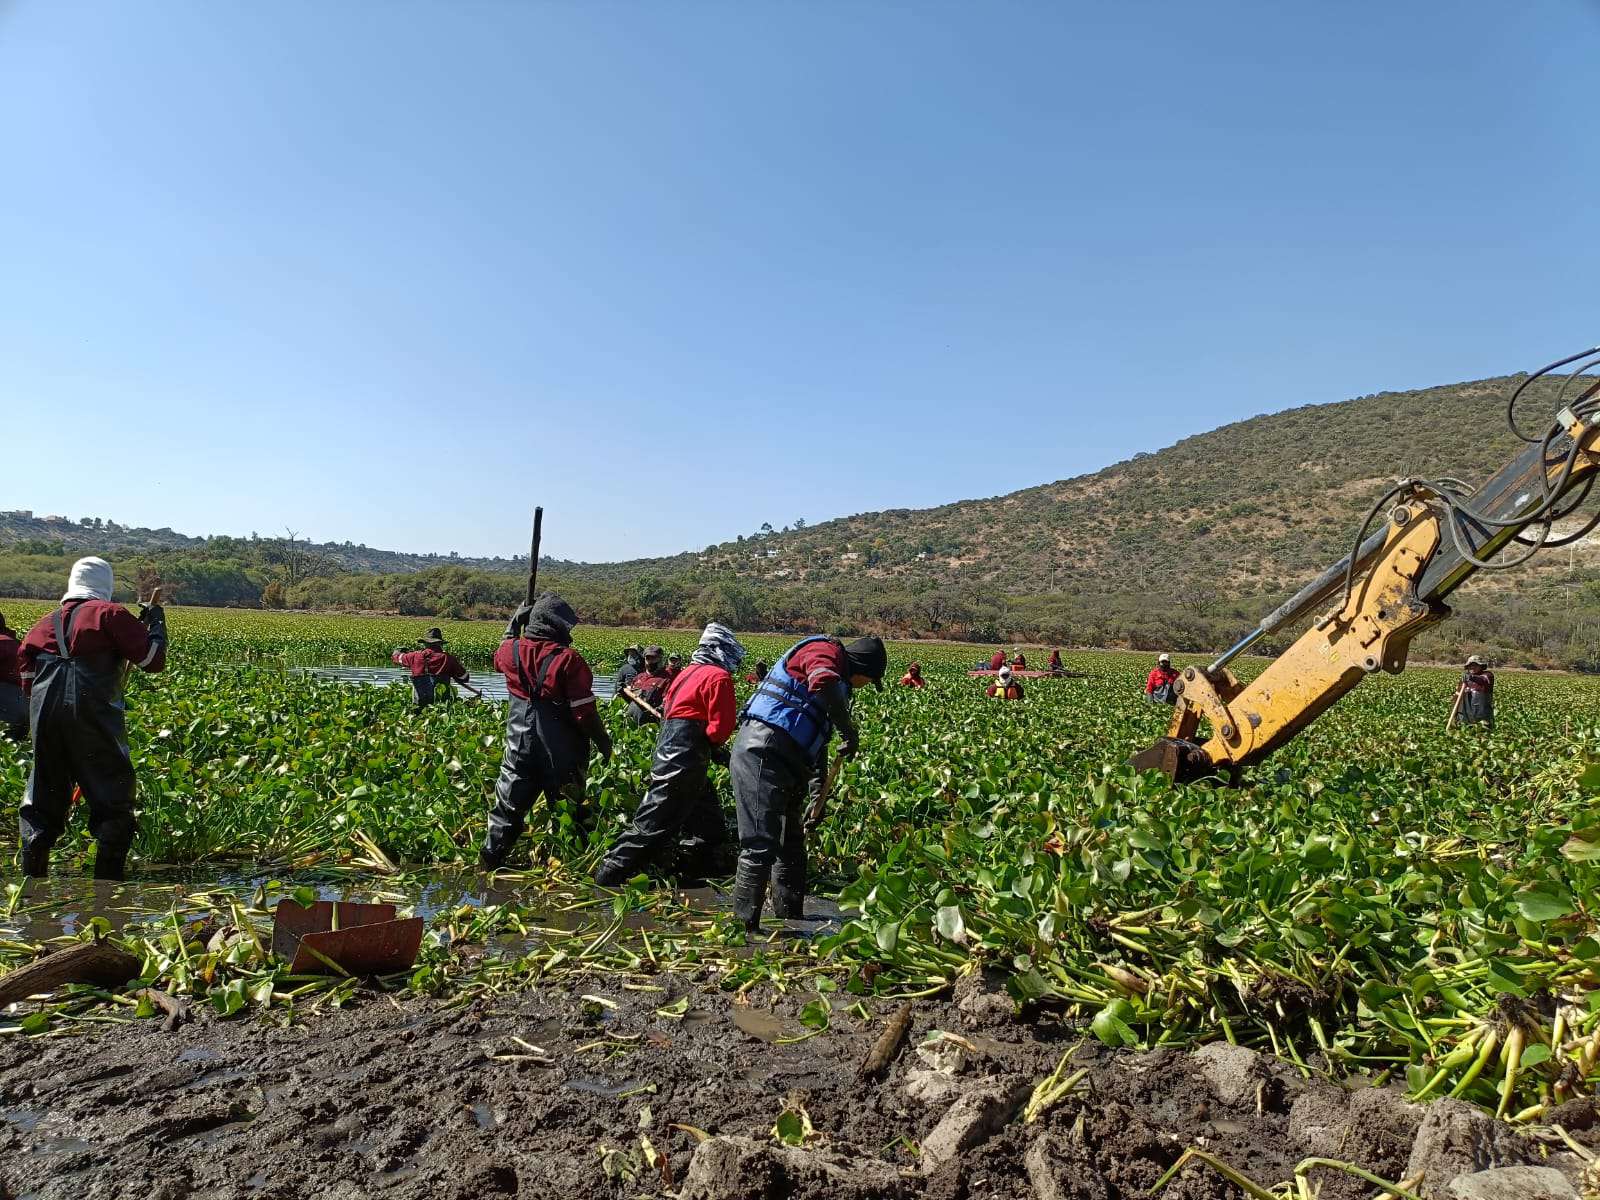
(765, 530)
(799, 523)
(272, 595)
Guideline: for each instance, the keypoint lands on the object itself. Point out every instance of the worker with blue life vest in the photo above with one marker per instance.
(779, 759)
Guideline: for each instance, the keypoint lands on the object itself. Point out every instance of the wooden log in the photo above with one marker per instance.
(97, 963)
(888, 1043)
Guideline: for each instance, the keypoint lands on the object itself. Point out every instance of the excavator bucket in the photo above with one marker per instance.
(334, 936)
(1178, 760)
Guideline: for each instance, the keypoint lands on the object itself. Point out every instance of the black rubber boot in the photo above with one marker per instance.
(788, 902)
(490, 861)
(614, 871)
(36, 861)
(749, 892)
(111, 863)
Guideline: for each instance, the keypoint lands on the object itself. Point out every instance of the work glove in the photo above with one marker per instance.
(603, 745)
(849, 744)
(150, 613)
(721, 755)
(519, 620)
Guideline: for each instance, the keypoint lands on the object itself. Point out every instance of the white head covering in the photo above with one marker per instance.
(1164, 658)
(1005, 674)
(719, 648)
(90, 580)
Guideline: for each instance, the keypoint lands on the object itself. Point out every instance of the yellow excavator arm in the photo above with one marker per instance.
(1370, 605)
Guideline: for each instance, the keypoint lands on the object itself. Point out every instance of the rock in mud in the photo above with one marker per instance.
(982, 1001)
(1057, 1173)
(1234, 1072)
(741, 1168)
(1513, 1183)
(974, 1119)
(1334, 1123)
(1454, 1139)
(931, 1087)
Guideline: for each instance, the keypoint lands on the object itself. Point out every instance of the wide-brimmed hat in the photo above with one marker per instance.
(435, 638)
(1474, 661)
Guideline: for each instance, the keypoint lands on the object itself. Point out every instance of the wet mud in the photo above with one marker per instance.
(551, 1093)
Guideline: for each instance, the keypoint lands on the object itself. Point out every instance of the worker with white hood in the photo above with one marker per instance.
(72, 669)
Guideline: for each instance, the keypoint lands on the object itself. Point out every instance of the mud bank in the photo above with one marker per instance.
(599, 1091)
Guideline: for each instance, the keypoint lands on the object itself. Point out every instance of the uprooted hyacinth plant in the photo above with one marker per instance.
(1382, 896)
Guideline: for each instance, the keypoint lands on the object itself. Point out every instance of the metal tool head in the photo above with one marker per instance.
(1178, 760)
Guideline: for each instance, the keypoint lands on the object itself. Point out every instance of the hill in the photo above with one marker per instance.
(1183, 546)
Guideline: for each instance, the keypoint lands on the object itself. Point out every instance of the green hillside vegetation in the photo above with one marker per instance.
(1182, 548)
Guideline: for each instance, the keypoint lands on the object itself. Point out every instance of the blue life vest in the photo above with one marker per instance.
(784, 702)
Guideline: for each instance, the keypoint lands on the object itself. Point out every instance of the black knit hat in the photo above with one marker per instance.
(435, 638)
(868, 657)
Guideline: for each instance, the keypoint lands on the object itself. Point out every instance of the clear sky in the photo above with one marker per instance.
(395, 272)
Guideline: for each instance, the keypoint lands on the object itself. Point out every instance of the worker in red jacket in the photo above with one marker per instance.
(550, 724)
(997, 660)
(1161, 684)
(13, 704)
(1055, 663)
(432, 668)
(913, 677)
(1019, 662)
(699, 719)
(72, 662)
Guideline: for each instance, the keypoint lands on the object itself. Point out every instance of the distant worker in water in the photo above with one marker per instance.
(550, 724)
(1162, 683)
(632, 664)
(674, 665)
(1019, 661)
(649, 685)
(913, 677)
(780, 759)
(757, 673)
(997, 660)
(1055, 663)
(1006, 686)
(432, 669)
(72, 670)
(1475, 695)
(13, 704)
(699, 719)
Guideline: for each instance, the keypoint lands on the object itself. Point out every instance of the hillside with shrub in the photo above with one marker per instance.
(1183, 547)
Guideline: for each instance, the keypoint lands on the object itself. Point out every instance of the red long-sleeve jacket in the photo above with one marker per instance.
(99, 627)
(10, 659)
(1159, 676)
(428, 661)
(703, 692)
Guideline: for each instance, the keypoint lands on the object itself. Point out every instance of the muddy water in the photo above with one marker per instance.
(63, 905)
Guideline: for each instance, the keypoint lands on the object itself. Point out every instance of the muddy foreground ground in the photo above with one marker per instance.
(409, 1098)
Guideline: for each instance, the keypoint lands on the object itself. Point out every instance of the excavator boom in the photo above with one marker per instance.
(1368, 606)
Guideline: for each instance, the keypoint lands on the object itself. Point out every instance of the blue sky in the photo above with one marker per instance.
(395, 272)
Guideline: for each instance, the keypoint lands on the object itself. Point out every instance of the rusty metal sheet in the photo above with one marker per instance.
(291, 921)
(376, 949)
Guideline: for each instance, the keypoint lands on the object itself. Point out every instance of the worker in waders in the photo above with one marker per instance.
(550, 725)
(1476, 695)
(913, 677)
(780, 756)
(699, 719)
(1055, 663)
(1161, 685)
(432, 669)
(997, 660)
(13, 704)
(72, 669)
(632, 664)
(649, 685)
